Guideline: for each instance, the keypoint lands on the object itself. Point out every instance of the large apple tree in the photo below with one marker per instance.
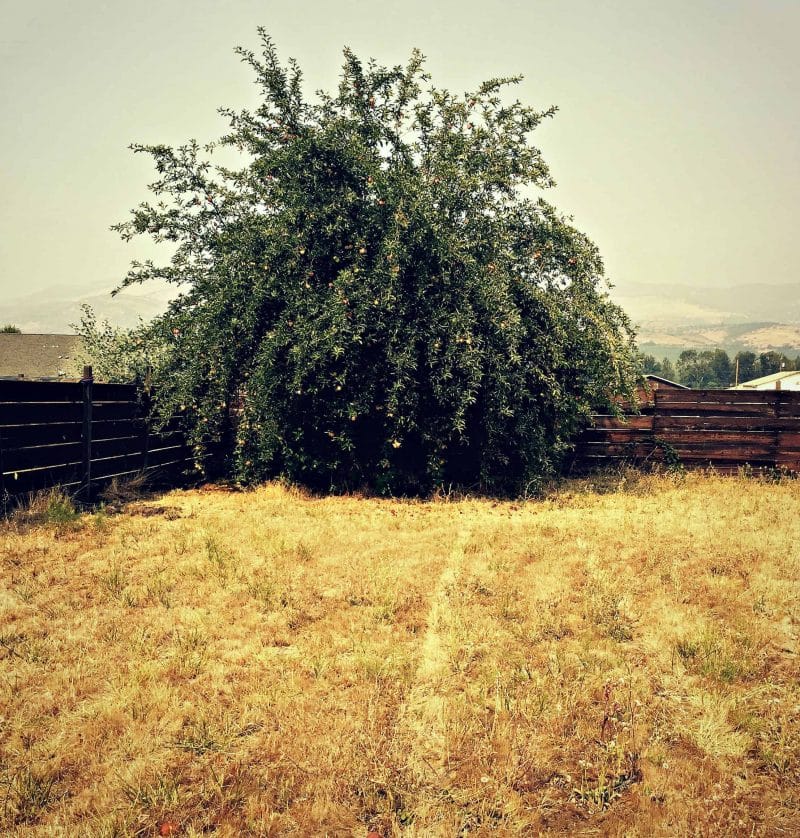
(376, 297)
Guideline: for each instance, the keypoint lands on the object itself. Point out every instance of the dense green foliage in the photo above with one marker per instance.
(122, 355)
(714, 368)
(374, 296)
(10, 329)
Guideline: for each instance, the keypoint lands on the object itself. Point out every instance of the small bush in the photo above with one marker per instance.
(52, 506)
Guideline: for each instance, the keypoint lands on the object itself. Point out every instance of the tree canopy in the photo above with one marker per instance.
(376, 297)
(713, 368)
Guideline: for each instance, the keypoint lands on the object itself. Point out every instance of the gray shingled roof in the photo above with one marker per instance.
(40, 356)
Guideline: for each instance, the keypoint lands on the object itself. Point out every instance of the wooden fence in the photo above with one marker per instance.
(79, 435)
(726, 429)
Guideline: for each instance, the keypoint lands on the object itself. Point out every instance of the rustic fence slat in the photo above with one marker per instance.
(118, 428)
(39, 391)
(45, 456)
(715, 437)
(114, 411)
(17, 483)
(719, 409)
(38, 413)
(104, 448)
(631, 450)
(727, 453)
(132, 463)
(633, 422)
(789, 440)
(26, 436)
(616, 435)
(155, 441)
(172, 454)
(714, 397)
(788, 409)
(724, 422)
(116, 392)
(117, 466)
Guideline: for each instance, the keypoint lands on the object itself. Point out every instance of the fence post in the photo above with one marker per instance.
(86, 433)
(3, 496)
(146, 405)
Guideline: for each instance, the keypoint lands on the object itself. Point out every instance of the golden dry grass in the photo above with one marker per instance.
(616, 662)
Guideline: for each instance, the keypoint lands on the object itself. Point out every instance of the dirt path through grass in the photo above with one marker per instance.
(423, 715)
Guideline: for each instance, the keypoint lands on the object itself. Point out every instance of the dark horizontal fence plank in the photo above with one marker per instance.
(134, 461)
(38, 413)
(114, 466)
(44, 456)
(689, 451)
(723, 423)
(715, 437)
(115, 392)
(726, 453)
(615, 435)
(131, 445)
(632, 451)
(789, 440)
(22, 436)
(633, 422)
(771, 397)
(174, 424)
(788, 459)
(173, 454)
(156, 441)
(114, 411)
(39, 391)
(120, 428)
(21, 482)
(755, 409)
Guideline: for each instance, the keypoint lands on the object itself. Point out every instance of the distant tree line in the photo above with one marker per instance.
(711, 369)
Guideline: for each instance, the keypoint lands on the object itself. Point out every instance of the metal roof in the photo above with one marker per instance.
(765, 379)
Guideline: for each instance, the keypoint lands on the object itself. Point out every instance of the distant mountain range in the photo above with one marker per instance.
(669, 318)
(55, 310)
(755, 317)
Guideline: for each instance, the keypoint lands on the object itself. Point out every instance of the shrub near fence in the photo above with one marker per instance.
(79, 435)
(725, 429)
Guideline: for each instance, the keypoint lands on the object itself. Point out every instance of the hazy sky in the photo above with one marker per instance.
(675, 148)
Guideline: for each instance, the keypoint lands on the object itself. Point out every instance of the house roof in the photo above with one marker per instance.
(40, 356)
(660, 380)
(766, 379)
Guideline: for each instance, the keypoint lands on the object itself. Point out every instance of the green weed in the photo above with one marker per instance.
(27, 794)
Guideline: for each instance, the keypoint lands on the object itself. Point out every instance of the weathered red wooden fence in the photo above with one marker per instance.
(726, 429)
(79, 435)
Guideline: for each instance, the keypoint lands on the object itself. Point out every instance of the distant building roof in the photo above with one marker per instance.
(40, 356)
(786, 380)
(666, 382)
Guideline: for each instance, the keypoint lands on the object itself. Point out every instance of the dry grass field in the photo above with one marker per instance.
(618, 659)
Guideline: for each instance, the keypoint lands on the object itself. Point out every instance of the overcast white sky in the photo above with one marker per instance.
(675, 149)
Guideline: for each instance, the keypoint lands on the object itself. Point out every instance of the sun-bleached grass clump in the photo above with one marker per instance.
(619, 658)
